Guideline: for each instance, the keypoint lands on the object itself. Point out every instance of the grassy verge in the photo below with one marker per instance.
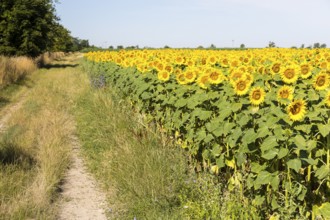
(35, 148)
(142, 172)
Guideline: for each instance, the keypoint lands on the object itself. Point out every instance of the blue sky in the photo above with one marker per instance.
(191, 23)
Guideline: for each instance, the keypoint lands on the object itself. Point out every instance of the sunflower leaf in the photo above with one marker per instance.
(323, 129)
(294, 164)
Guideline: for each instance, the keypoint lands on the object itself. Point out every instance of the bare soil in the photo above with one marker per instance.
(82, 198)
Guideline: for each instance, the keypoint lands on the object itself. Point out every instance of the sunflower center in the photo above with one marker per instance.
(256, 95)
(289, 73)
(295, 109)
(165, 75)
(204, 79)
(160, 66)
(304, 69)
(324, 65)
(214, 75)
(241, 86)
(284, 94)
(181, 78)
(320, 81)
(189, 75)
(168, 68)
(276, 68)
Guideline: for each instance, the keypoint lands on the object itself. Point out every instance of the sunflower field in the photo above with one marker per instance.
(258, 119)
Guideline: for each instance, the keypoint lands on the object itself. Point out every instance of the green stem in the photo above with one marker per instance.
(287, 189)
(309, 169)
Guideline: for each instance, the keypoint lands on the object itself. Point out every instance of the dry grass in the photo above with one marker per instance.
(35, 149)
(46, 58)
(12, 69)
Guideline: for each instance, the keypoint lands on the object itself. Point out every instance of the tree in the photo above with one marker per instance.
(61, 40)
(302, 46)
(323, 46)
(316, 45)
(120, 47)
(31, 28)
(26, 26)
(271, 44)
(212, 46)
(242, 46)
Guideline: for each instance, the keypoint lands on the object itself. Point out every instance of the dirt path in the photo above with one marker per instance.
(82, 199)
(81, 196)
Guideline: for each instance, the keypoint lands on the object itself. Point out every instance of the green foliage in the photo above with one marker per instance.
(31, 28)
(25, 26)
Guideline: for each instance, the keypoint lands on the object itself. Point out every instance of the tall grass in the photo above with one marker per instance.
(13, 69)
(35, 149)
(141, 172)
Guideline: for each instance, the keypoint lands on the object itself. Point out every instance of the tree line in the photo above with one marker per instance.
(31, 27)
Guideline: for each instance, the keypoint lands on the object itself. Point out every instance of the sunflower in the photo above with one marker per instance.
(163, 75)
(321, 81)
(203, 80)
(211, 60)
(190, 63)
(250, 69)
(246, 60)
(285, 93)
(160, 66)
(257, 96)
(235, 75)
(289, 75)
(276, 67)
(181, 79)
(248, 77)
(327, 99)
(224, 62)
(305, 70)
(324, 65)
(168, 68)
(297, 110)
(234, 63)
(241, 87)
(190, 76)
(261, 69)
(179, 60)
(215, 76)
